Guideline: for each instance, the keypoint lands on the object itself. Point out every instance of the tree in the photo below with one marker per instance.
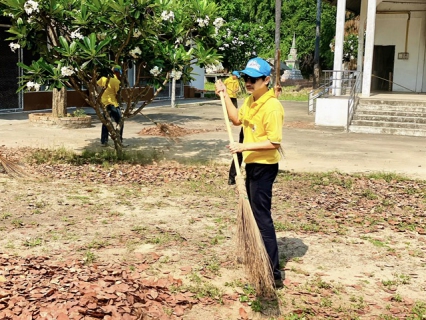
(78, 40)
(297, 17)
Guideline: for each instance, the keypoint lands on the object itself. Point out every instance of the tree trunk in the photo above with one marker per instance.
(173, 101)
(59, 102)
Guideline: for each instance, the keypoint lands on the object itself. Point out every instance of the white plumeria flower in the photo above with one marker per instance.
(221, 48)
(13, 46)
(155, 71)
(167, 15)
(76, 35)
(135, 53)
(30, 85)
(31, 6)
(67, 71)
(176, 74)
(36, 86)
(137, 33)
(218, 22)
(203, 22)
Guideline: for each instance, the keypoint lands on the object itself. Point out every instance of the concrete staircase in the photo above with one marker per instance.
(399, 117)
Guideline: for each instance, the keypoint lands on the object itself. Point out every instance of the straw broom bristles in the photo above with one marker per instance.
(250, 245)
(13, 169)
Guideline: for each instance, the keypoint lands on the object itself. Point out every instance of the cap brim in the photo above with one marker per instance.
(252, 73)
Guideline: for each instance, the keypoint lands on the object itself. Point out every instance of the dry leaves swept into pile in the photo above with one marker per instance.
(38, 288)
(172, 130)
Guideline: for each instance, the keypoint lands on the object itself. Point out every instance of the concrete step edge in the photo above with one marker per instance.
(380, 130)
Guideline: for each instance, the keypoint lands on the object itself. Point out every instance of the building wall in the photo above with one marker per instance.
(391, 30)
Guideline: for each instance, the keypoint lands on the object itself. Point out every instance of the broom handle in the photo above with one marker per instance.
(231, 137)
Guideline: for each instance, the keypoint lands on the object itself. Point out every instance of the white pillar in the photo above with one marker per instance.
(338, 46)
(369, 48)
(361, 30)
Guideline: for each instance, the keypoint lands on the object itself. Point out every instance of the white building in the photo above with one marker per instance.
(391, 55)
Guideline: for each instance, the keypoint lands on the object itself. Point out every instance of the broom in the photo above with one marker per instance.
(249, 240)
(12, 169)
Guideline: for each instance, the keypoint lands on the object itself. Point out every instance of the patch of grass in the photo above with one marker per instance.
(294, 93)
(103, 157)
(165, 237)
(387, 176)
(5, 215)
(33, 242)
(419, 311)
(17, 223)
(89, 257)
(203, 289)
(213, 265)
(369, 194)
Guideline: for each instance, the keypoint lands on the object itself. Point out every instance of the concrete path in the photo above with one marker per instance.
(307, 148)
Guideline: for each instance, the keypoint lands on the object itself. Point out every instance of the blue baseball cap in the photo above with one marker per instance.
(236, 73)
(257, 67)
(117, 68)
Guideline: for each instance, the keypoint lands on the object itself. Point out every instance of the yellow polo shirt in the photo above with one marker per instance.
(232, 86)
(110, 94)
(262, 120)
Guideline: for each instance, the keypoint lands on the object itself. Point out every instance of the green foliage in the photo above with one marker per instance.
(297, 17)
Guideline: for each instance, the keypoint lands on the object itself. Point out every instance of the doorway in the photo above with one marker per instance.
(383, 63)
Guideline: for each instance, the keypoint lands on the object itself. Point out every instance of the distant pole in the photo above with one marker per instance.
(277, 40)
(317, 71)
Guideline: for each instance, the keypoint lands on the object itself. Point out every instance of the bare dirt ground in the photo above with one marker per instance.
(121, 241)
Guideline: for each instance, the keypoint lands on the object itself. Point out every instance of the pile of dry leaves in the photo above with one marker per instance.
(171, 130)
(38, 288)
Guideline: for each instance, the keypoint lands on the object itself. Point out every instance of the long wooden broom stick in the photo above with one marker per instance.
(250, 244)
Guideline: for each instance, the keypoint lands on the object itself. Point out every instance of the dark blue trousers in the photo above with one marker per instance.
(115, 114)
(259, 181)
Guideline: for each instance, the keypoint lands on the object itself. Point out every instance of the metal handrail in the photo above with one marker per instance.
(314, 94)
(353, 99)
(334, 83)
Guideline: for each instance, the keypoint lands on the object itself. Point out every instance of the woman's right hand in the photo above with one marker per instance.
(220, 87)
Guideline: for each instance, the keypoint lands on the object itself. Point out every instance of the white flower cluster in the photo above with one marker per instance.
(155, 71)
(137, 33)
(218, 22)
(214, 68)
(31, 6)
(203, 22)
(67, 71)
(33, 85)
(13, 46)
(135, 53)
(167, 15)
(176, 74)
(76, 35)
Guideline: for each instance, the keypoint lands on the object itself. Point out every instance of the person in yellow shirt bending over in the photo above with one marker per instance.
(261, 117)
(232, 88)
(109, 99)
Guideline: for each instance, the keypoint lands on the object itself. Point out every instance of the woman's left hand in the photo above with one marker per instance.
(236, 147)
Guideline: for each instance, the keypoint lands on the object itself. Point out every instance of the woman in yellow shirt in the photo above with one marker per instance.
(261, 117)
